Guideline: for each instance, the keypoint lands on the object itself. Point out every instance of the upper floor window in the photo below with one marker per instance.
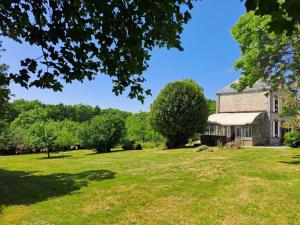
(275, 104)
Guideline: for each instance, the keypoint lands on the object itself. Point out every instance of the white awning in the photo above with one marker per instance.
(233, 119)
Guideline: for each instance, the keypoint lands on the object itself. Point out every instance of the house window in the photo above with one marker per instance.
(275, 104)
(246, 131)
(275, 128)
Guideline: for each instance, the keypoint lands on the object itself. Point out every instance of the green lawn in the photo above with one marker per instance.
(249, 186)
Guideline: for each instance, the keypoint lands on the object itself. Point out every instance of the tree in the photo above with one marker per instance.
(68, 134)
(27, 118)
(139, 128)
(4, 90)
(273, 58)
(284, 14)
(179, 111)
(21, 105)
(290, 112)
(211, 106)
(104, 131)
(41, 135)
(80, 39)
(6, 137)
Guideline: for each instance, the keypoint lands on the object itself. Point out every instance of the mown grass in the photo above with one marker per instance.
(249, 186)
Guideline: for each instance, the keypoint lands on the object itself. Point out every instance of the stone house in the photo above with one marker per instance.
(251, 117)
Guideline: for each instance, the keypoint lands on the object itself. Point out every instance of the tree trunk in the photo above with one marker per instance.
(48, 153)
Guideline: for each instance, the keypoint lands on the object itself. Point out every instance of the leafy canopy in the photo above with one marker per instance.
(273, 58)
(80, 39)
(104, 131)
(284, 14)
(179, 111)
(139, 129)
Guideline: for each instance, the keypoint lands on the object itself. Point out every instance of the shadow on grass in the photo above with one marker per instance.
(94, 152)
(56, 157)
(295, 162)
(25, 188)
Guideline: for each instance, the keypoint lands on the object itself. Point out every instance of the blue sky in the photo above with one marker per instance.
(209, 53)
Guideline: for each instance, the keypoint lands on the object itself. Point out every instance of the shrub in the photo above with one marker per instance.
(128, 145)
(201, 148)
(131, 145)
(105, 131)
(179, 111)
(138, 147)
(233, 145)
(292, 139)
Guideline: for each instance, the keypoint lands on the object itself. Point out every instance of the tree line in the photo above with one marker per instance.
(31, 126)
(180, 110)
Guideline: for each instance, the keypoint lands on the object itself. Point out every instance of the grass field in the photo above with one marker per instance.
(249, 186)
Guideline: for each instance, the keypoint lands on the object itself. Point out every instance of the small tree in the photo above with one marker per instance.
(68, 134)
(41, 135)
(139, 128)
(179, 111)
(105, 131)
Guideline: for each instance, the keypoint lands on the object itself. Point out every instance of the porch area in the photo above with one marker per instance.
(248, 128)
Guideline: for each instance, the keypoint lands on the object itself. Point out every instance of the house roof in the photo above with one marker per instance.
(259, 85)
(233, 119)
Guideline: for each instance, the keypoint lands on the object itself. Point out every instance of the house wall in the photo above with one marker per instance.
(252, 101)
(243, 102)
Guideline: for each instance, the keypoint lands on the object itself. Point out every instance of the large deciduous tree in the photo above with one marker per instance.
(80, 39)
(273, 58)
(284, 14)
(179, 111)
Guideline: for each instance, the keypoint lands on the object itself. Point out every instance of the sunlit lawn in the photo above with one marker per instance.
(257, 186)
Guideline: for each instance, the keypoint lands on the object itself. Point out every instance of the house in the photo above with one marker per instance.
(251, 117)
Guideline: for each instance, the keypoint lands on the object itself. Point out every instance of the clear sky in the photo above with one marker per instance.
(209, 53)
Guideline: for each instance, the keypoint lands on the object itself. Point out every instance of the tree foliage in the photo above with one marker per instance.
(273, 58)
(179, 111)
(80, 39)
(284, 14)
(211, 106)
(139, 128)
(104, 131)
(4, 91)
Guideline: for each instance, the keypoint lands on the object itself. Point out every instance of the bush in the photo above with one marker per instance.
(128, 145)
(233, 145)
(179, 111)
(138, 147)
(104, 131)
(201, 148)
(292, 139)
(131, 145)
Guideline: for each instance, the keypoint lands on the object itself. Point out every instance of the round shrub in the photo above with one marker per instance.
(179, 111)
(138, 147)
(105, 131)
(128, 145)
(292, 139)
